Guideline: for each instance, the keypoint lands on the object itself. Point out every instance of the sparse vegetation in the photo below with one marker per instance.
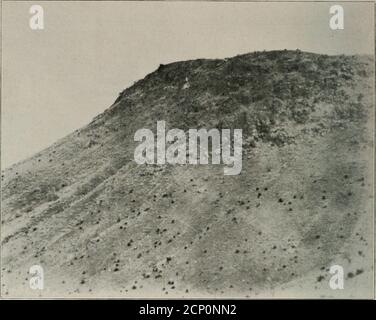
(106, 225)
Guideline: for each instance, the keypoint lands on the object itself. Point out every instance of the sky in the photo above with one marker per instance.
(56, 80)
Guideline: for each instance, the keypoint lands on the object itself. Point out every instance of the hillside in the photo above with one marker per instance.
(102, 225)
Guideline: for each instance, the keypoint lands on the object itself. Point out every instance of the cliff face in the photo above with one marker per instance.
(100, 224)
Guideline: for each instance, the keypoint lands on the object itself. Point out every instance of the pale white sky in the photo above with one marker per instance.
(56, 80)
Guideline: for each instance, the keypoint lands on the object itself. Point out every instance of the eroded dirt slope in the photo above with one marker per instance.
(101, 225)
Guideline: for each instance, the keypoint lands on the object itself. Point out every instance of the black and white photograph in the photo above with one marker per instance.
(187, 150)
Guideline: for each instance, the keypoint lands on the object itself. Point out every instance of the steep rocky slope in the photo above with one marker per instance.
(102, 225)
